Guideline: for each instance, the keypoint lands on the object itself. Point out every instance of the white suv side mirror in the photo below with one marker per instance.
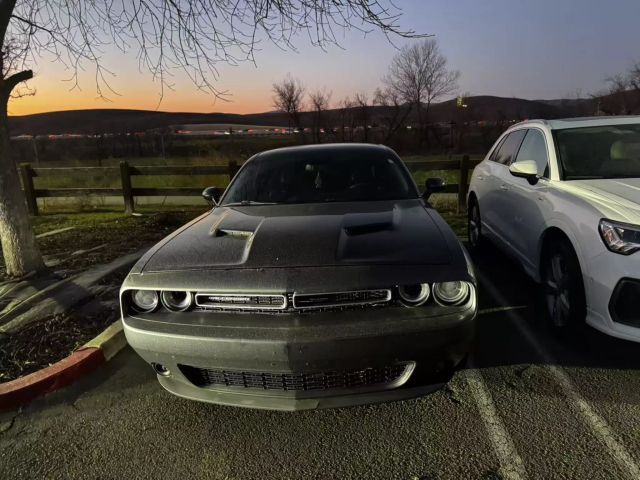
(525, 169)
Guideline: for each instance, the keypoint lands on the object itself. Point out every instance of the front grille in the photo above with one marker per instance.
(339, 299)
(290, 303)
(241, 302)
(293, 382)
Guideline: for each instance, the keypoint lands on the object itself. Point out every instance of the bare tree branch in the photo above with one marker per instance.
(320, 100)
(418, 75)
(10, 82)
(288, 97)
(395, 113)
(169, 36)
(363, 112)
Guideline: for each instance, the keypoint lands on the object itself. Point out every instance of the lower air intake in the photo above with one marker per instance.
(327, 380)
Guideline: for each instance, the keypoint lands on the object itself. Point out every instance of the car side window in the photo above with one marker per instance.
(494, 154)
(510, 147)
(534, 148)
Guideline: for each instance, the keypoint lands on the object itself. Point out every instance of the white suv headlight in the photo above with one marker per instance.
(619, 237)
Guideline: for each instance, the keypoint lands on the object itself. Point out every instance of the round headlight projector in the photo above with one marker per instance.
(446, 293)
(414, 295)
(450, 293)
(144, 300)
(177, 301)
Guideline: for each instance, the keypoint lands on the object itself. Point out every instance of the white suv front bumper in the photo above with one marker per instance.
(601, 277)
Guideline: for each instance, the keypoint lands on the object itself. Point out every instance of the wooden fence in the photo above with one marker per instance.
(465, 166)
(128, 192)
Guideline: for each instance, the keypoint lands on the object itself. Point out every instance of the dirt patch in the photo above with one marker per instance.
(48, 341)
(44, 343)
(101, 237)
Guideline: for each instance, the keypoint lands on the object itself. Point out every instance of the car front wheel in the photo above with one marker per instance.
(564, 297)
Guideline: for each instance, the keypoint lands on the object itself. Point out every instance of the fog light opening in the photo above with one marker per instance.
(160, 369)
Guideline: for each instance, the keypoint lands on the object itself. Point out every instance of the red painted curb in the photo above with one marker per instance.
(58, 375)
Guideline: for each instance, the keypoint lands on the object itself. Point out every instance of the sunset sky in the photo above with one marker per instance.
(534, 49)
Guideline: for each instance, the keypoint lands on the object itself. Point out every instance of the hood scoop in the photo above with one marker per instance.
(375, 222)
(235, 226)
(227, 232)
(368, 228)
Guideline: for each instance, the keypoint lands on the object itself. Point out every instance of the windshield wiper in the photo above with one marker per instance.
(245, 203)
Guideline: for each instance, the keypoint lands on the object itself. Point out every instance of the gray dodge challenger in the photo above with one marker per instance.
(321, 278)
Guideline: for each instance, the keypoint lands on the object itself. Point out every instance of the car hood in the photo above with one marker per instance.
(332, 234)
(618, 199)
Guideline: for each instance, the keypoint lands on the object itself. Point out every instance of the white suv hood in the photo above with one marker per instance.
(618, 199)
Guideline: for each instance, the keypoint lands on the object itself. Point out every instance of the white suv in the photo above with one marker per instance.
(563, 198)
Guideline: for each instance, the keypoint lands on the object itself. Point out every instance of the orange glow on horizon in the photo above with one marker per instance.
(19, 107)
(53, 96)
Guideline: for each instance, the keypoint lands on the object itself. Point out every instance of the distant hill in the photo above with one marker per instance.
(491, 108)
(486, 108)
(121, 120)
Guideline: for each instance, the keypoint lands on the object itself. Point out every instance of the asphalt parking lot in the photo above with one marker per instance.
(529, 405)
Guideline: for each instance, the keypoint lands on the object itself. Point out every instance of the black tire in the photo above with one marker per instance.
(563, 298)
(474, 226)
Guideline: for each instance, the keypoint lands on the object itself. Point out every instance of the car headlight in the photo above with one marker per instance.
(620, 237)
(144, 301)
(451, 293)
(414, 295)
(177, 301)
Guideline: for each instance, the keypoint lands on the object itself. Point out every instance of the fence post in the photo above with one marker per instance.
(233, 169)
(26, 175)
(463, 184)
(127, 191)
(34, 146)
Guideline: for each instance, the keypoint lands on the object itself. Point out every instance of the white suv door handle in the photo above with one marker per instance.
(504, 187)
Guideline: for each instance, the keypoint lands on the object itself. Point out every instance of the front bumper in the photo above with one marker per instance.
(602, 276)
(433, 345)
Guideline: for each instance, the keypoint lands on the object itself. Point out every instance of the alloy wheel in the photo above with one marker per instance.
(473, 226)
(557, 290)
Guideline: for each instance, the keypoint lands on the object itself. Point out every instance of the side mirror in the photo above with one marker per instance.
(525, 169)
(433, 185)
(212, 195)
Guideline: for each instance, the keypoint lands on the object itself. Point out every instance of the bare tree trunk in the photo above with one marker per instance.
(19, 248)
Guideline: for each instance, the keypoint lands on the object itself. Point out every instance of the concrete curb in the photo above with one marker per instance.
(80, 363)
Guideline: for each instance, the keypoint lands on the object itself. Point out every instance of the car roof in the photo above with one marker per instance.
(577, 122)
(328, 148)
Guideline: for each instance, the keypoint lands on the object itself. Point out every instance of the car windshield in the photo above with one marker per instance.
(315, 176)
(599, 152)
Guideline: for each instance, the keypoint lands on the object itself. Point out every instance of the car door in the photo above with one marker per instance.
(481, 180)
(494, 207)
(527, 199)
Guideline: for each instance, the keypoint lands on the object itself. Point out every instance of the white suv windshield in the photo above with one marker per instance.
(599, 152)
